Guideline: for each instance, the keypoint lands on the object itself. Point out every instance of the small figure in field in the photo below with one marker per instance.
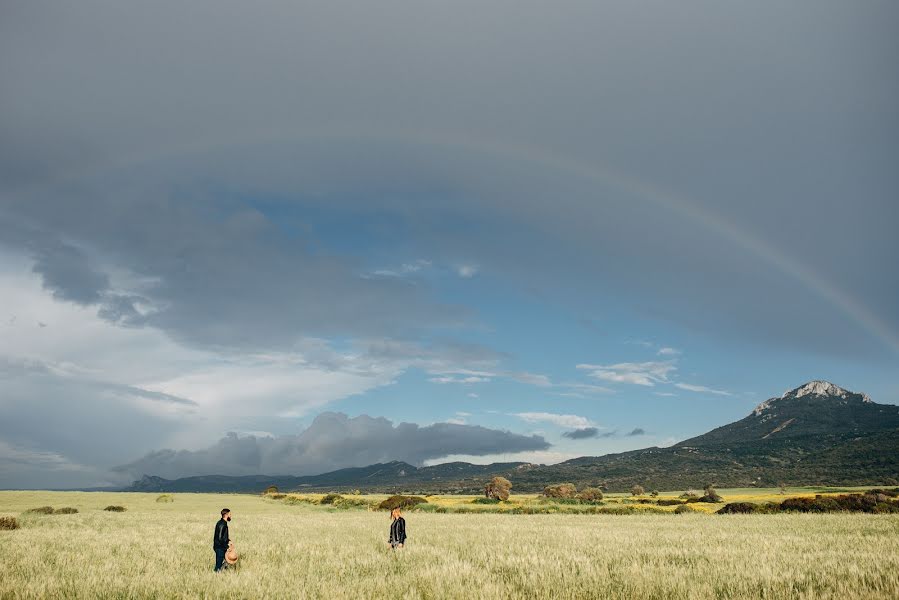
(397, 529)
(221, 542)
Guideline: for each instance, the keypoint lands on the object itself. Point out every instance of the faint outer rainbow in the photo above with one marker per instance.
(850, 306)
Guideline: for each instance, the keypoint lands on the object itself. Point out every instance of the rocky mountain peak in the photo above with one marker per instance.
(812, 388)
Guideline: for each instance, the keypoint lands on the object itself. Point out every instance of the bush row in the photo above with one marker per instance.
(874, 501)
(49, 510)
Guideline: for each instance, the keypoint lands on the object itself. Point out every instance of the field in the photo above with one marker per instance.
(301, 550)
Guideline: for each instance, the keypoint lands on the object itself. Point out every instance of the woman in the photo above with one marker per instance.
(397, 529)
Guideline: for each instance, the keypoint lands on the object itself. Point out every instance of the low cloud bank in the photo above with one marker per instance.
(332, 441)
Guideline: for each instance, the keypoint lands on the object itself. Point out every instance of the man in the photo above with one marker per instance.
(220, 539)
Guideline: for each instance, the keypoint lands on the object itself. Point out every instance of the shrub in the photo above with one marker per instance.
(40, 510)
(669, 502)
(277, 496)
(654, 493)
(563, 490)
(498, 488)
(738, 508)
(345, 502)
(272, 489)
(688, 494)
(115, 508)
(485, 501)
(331, 499)
(683, 508)
(356, 493)
(165, 498)
(65, 510)
(401, 502)
(8, 523)
(637, 490)
(590, 494)
(711, 495)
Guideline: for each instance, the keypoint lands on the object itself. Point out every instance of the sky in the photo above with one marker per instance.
(291, 237)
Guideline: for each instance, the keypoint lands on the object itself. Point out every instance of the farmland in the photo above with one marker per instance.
(301, 549)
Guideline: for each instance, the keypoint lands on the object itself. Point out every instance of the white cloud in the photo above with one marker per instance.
(532, 379)
(644, 373)
(582, 390)
(540, 457)
(665, 394)
(668, 351)
(456, 421)
(570, 421)
(467, 271)
(473, 395)
(463, 414)
(466, 380)
(701, 388)
(404, 269)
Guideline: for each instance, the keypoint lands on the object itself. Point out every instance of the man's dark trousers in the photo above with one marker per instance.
(219, 557)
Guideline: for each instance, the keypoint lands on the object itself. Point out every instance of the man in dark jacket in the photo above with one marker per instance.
(220, 539)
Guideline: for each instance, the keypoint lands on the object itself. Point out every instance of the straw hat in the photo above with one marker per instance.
(231, 556)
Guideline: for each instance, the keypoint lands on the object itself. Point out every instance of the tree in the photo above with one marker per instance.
(711, 495)
(498, 488)
(272, 489)
(637, 490)
(563, 490)
(654, 493)
(590, 494)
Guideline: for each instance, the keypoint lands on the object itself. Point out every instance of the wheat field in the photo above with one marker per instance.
(156, 550)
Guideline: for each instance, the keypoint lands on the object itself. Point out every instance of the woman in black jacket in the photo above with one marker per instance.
(397, 529)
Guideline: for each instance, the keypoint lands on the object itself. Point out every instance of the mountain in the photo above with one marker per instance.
(816, 434)
(818, 408)
(392, 476)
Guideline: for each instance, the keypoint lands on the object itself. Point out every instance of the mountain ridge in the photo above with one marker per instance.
(815, 434)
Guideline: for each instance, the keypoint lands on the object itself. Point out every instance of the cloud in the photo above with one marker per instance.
(467, 271)
(162, 265)
(668, 351)
(469, 379)
(636, 431)
(404, 269)
(582, 433)
(332, 441)
(485, 160)
(701, 388)
(571, 421)
(644, 373)
(532, 379)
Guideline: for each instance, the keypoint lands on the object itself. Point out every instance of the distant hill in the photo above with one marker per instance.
(816, 434)
(395, 475)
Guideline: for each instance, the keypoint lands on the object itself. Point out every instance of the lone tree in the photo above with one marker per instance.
(272, 489)
(637, 490)
(711, 495)
(498, 488)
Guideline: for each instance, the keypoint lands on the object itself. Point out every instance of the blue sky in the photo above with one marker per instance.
(306, 226)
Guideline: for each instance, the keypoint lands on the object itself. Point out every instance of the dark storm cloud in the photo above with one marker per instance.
(332, 441)
(581, 434)
(68, 275)
(469, 138)
(204, 264)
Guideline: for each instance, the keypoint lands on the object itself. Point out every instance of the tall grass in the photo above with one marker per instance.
(308, 551)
